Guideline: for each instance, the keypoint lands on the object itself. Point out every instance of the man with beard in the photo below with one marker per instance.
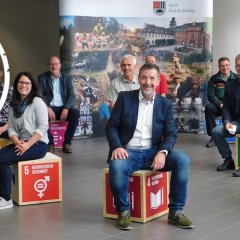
(141, 134)
(162, 88)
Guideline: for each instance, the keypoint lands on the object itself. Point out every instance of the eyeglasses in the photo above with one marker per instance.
(53, 64)
(24, 83)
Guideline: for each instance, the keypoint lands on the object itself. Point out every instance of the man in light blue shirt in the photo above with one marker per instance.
(58, 94)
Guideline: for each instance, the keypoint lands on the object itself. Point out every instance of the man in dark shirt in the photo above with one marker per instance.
(215, 95)
(231, 121)
(58, 94)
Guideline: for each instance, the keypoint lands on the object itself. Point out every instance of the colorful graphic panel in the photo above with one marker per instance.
(95, 35)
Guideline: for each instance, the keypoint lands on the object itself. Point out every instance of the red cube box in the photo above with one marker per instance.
(58, 129)
(148, 194)
(38, 181)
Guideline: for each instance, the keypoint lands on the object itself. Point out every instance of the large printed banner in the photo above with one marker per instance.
(94, 35)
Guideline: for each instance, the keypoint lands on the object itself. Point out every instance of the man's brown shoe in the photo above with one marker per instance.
(124, 220)
(66, 148)
(180, 220)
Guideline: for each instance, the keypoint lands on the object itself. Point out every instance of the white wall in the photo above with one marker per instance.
(226, 30)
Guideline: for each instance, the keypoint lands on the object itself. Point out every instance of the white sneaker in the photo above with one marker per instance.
(5, 204)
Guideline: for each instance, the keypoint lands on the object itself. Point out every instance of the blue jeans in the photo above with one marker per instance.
(119, 171)
(9, 157)
(219, 133)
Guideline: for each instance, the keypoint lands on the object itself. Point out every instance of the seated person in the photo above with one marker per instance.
(215, 93)
(58, 94)
(126, 82)
(28, 124)
(4, 110)
(136, 144)
(162, 88)
(231, 119)
(104, 113)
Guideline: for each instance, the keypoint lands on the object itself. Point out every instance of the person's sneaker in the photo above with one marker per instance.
(179, 219)
(66, 148)
(227, 164)
(210, 144)
(236, 173)
(124, 220)
(5, 204)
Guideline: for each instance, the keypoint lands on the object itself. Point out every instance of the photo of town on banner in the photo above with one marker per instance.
(93, 46)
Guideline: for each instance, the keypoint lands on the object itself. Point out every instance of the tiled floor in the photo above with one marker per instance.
(213, 201)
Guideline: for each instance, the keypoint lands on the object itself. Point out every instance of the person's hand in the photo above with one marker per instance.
(51, 114)
(119, 153)
(15, 139)
(21, 147)
(228, 126)
(64, 114)
(174, 93)
(221, 105)
(159, 161)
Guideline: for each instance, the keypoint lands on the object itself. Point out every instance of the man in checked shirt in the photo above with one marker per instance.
(4, 110)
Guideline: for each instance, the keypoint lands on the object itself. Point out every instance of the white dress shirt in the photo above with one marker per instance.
(57, 100)
(142, 137)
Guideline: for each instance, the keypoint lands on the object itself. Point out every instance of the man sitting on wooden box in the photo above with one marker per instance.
(141, 135)
(215, 94)
(58, 94)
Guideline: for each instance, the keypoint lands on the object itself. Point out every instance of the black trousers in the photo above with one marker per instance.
(72, 119)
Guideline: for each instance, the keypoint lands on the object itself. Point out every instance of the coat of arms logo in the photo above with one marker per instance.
(159, 7)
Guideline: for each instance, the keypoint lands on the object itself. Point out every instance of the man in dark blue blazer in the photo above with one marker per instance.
(57, 91)
(141, 135)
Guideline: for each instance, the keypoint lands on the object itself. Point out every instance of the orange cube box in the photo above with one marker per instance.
(4, 142)
(38, 181)
(148, 194)
(58, 129)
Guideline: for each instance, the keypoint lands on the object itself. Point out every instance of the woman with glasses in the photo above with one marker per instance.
(28, 125)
